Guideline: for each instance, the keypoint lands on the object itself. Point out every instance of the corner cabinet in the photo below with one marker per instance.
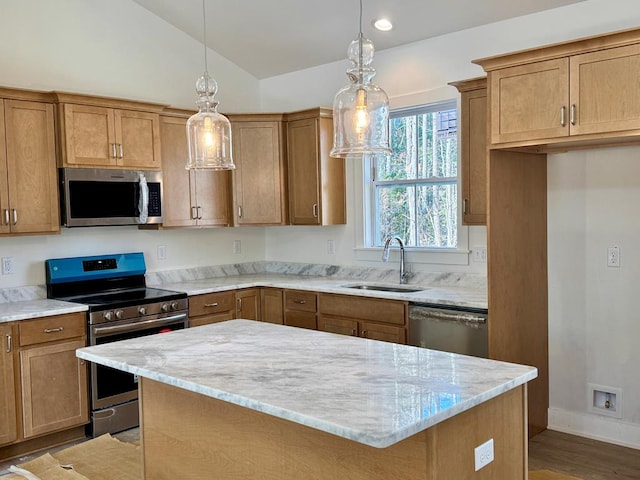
(192, 198)
(584, 90)
(8, 411)
(28, 175)
(317, 191)
(111, 133)
(259, 180)
(473, 152)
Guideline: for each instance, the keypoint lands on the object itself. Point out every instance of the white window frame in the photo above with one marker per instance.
(365, 201)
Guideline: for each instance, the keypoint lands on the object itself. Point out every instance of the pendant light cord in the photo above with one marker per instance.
(204, 34)
(360, 46)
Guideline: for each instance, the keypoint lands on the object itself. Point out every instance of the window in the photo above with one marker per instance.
(414, 191)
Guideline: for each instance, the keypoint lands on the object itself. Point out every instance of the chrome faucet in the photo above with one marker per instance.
(385, 256)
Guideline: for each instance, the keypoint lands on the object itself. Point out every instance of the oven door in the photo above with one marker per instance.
(110, 386)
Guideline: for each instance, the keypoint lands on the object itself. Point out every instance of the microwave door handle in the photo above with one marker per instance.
(143, 204)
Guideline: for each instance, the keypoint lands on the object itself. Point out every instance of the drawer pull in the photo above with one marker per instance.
(214, 304)
(53, 330)
(300, 302)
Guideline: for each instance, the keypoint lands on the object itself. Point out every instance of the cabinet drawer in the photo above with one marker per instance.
(362, 308)
(343, 326)
(51, 329)
(298, 300)
(210, 303)
(300, 319)
(208, 319)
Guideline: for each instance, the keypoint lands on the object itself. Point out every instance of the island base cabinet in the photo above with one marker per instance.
(210, 438)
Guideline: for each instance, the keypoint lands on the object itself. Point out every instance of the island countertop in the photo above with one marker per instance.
(371, 392)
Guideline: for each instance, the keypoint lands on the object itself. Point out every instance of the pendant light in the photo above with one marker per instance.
(208, 132)
(361, 109)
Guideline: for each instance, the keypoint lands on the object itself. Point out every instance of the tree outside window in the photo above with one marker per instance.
(415, 188)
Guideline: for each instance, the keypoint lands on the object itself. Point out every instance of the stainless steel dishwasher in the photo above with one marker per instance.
(449, 328)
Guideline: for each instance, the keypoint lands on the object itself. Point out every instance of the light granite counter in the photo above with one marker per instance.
(463, 295)
(42, 307)
(370, 392)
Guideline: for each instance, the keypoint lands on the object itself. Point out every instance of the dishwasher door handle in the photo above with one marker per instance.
(454, 316)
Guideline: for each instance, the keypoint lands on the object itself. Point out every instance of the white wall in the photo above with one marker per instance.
(116, 48)
(594, 197)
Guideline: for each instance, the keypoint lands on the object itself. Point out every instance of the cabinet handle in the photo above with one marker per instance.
(8, 343)
(354, 332)
(193, 214)
(15, 216)
(239, 302)
(53, 330)
(239, 211)
(572, 114)
(464, 206)
(6, 216)
(300, 302)
(199, 210)
(364, 334)
(214, 304)
(315, 210)
(121, 150)
(563, 116)
(113, 151)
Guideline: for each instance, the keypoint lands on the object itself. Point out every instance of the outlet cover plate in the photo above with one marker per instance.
(483, 454)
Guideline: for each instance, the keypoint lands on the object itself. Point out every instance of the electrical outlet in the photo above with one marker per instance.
(613, 256)
(479, 254)
(7, 265)
(237, 246)
(162, 252)
(484, 454)
(331, 247)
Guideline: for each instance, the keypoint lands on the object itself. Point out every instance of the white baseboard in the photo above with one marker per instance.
(596, 427)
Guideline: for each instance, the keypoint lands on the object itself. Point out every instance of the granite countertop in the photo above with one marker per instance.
(372, 392)
(44, 307)
(439, 294)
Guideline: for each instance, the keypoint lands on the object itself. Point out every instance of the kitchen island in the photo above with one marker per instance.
(244, 399)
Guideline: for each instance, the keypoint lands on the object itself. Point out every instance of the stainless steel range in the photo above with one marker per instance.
(121, 306)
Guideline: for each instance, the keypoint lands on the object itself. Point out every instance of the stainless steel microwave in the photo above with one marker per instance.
(99, 197)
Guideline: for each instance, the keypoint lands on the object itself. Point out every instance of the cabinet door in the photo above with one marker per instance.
(31, 167)
(295, 318)
(5, 222)
(343, 326)
(259, 174)
(212, 198)
(304, 179)
(8, 423)
(473, 158)
(54, 388)
(208, 319)
(272, 305)
(89, 136)
(385, 333)
(138, 139)
(248, 304)
(530, 102)
(178, 195)
(604, 90)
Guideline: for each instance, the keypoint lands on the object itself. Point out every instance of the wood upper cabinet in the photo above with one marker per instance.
(317, 194)
(8, 419)
(473, 152)
(192, 198)
(54, 389)
(96, 136)
(586, 88)
(259, 180)
(28, 175)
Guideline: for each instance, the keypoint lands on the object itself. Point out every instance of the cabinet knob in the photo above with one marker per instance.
(364, 334)
(354, 332)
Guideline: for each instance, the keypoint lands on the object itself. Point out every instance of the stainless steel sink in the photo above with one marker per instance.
(384, 288)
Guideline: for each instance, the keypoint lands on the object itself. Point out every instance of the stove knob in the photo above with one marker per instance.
(164, 307)
(108, 316)
(174, 305)
(142, 310)
(119, 314)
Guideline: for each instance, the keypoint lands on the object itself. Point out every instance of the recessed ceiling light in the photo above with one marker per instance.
(382, 24)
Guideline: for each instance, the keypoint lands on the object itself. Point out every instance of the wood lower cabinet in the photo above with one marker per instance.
(259, 180)
(211, 308)
(272, 306)
(374, 318)
(300, 309)
(8, 412)
(248, 304)
(28, 175)
(473, 153)
(192, 198)
(317, 192)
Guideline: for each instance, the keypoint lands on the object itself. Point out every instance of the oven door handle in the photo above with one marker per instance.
(132, 327)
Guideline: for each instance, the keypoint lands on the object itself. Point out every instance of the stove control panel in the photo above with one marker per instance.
(138, 311)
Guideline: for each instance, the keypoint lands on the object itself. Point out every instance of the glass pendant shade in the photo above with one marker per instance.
(361, 109)
(209, 132)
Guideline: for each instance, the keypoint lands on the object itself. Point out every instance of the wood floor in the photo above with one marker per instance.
(582, 457)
